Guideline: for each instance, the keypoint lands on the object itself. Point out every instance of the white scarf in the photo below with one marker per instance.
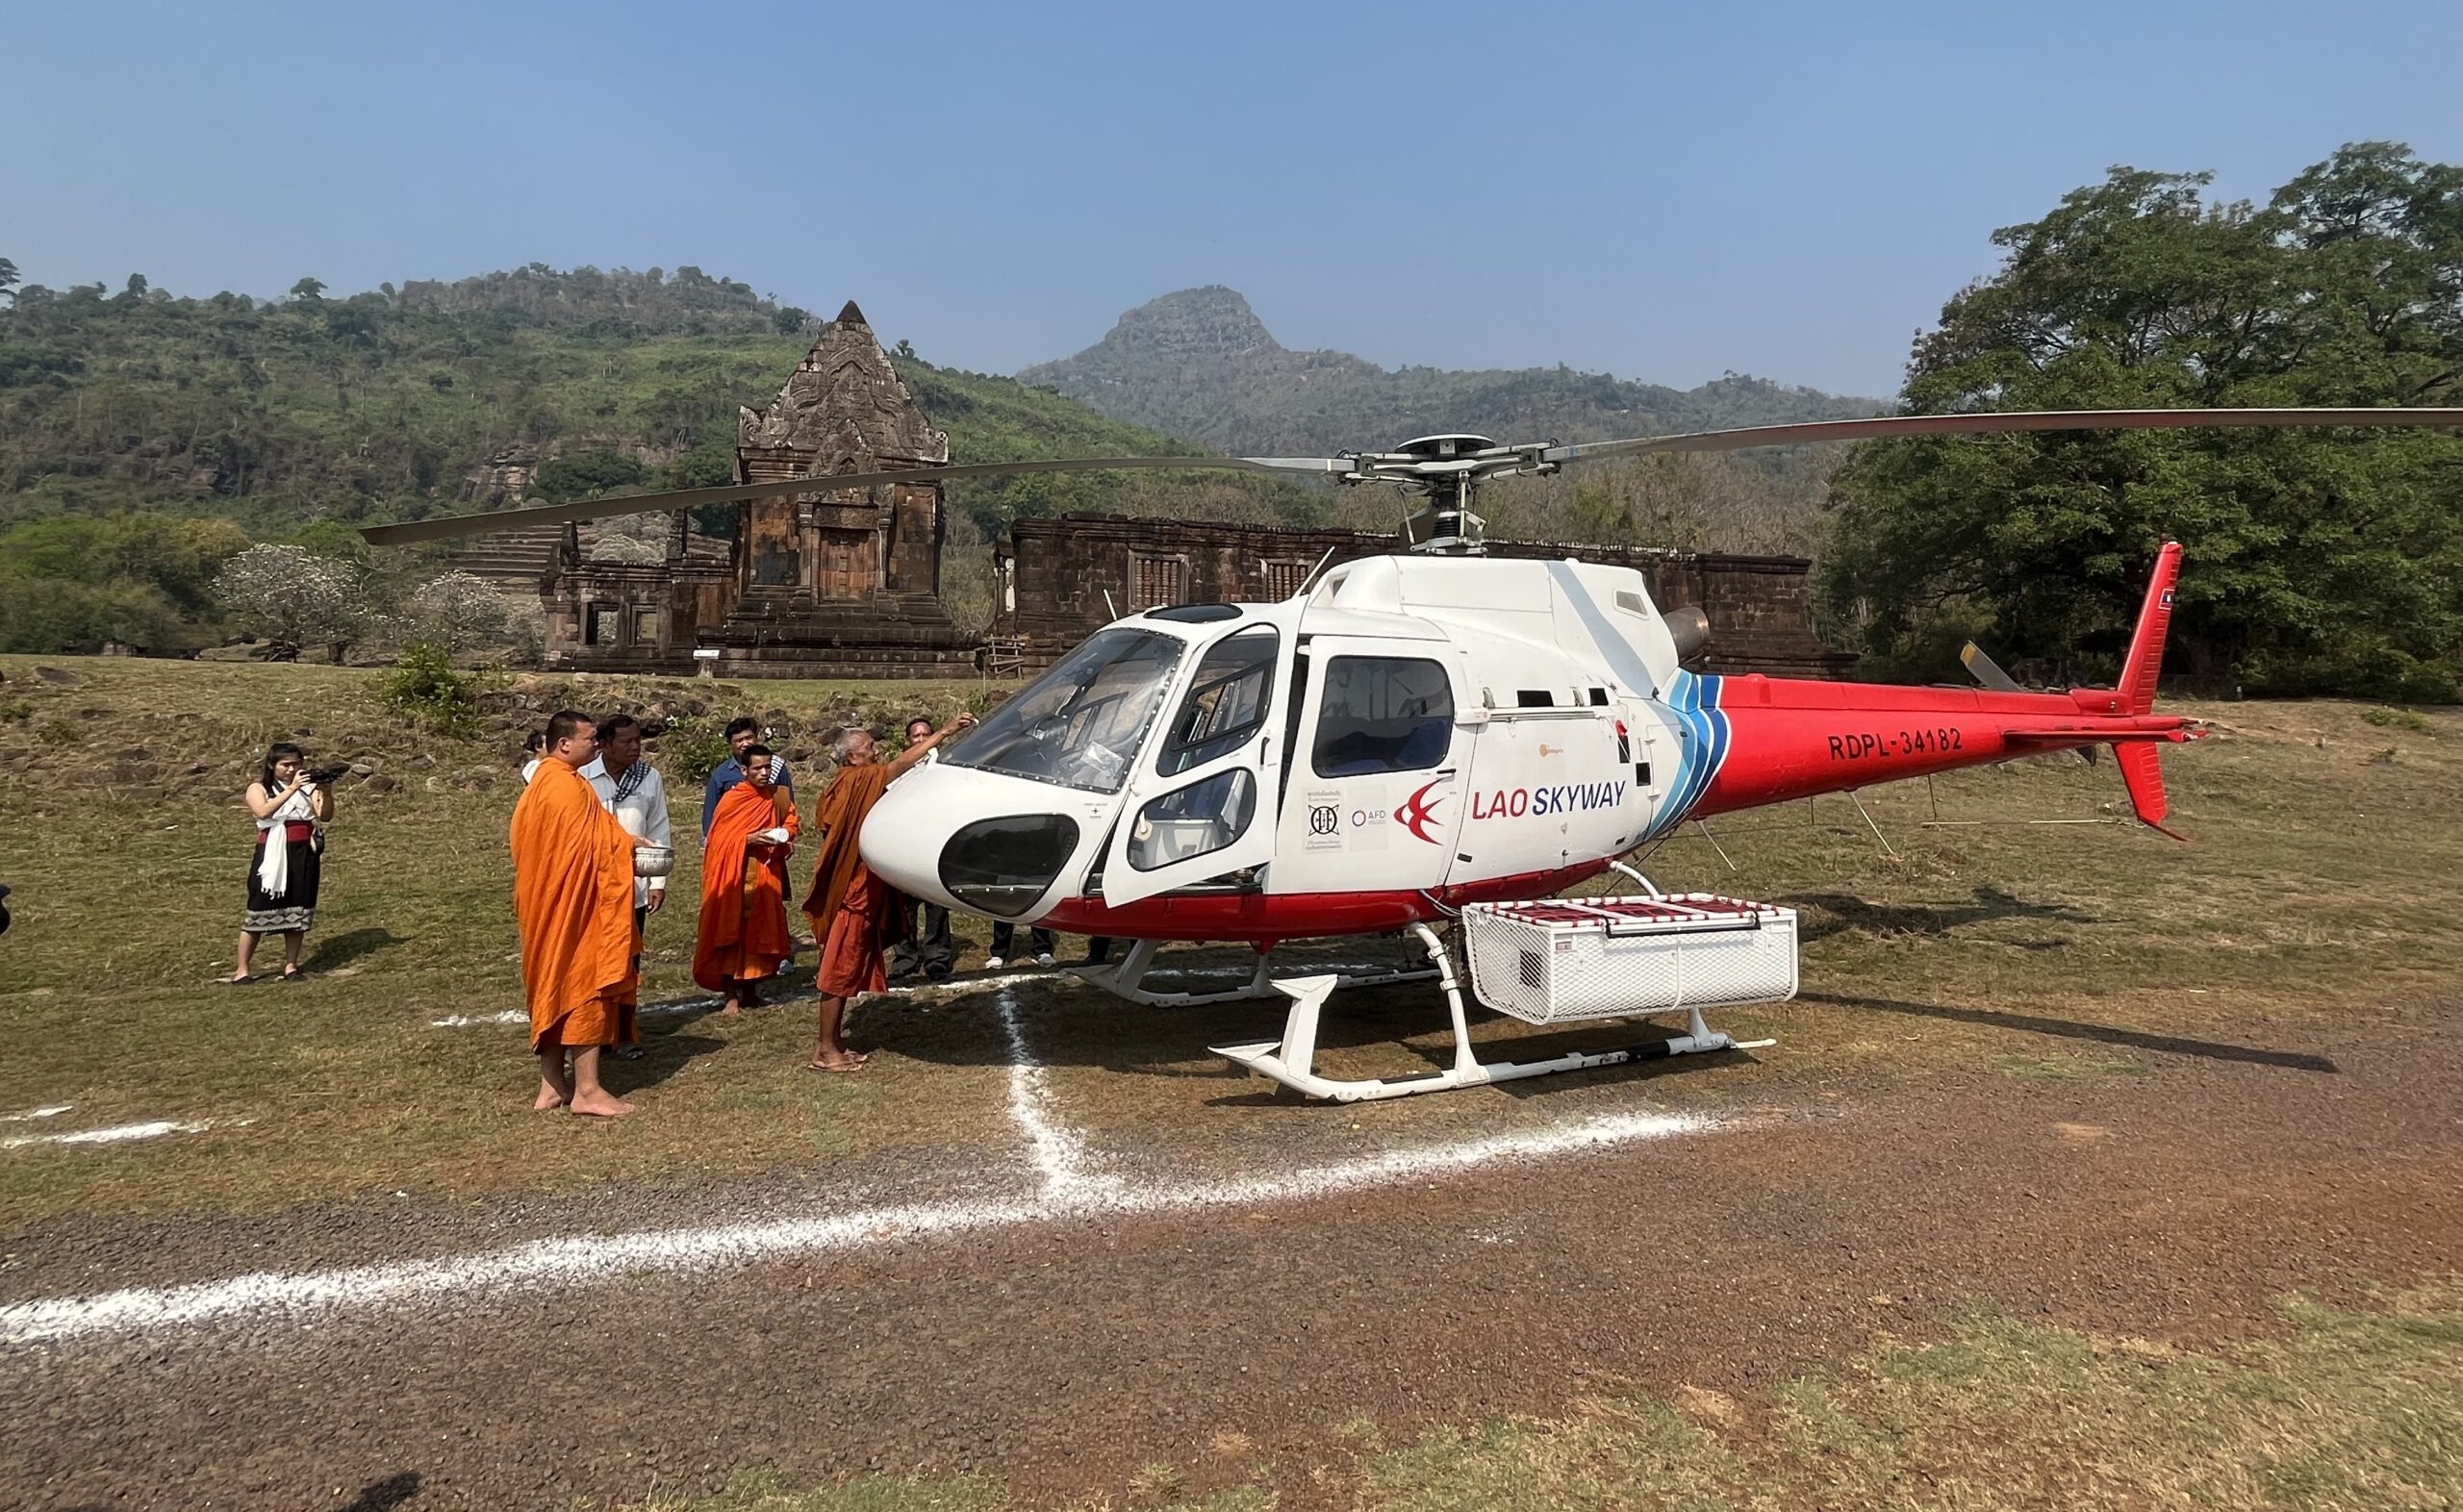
(273, 872)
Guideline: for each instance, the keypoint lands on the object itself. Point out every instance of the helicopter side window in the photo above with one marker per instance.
(1226, 704)
(1383, 714)
(1200, 820)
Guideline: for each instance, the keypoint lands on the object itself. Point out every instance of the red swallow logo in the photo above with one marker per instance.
(1414, 814)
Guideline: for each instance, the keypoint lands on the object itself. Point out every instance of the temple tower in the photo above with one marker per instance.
(840, 581)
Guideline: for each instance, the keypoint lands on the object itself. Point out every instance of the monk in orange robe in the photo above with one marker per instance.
(572, 897)
(849, 908)
(743, 937)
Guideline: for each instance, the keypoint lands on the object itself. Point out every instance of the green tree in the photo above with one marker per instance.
(583, 474)
(2315, 560)
(9, 279)
(307, 290)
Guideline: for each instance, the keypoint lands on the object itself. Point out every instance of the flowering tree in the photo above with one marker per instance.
(457, 612)
(625, 551)
(292, 597)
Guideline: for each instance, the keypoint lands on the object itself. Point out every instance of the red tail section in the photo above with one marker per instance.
(2141, 769)
(2137, 687)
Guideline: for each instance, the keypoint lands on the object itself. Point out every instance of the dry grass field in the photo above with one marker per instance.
(2319, 882)
(2007, 923)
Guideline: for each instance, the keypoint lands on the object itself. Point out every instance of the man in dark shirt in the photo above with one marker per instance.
(926, 947)
(741, 733)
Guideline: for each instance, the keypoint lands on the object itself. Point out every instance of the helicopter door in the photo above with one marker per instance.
(1374, 803)
(1201, 804)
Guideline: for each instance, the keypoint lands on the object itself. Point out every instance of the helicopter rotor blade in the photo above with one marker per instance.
(492, 520)
(1986, 670)
(1991, 423)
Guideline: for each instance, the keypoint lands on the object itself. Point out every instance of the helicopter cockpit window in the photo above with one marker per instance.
(1226, 704)
(1383, 714)
(1080, 723)
(1198, 820)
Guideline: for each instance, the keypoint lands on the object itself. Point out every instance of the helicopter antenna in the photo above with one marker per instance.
(1311, 580)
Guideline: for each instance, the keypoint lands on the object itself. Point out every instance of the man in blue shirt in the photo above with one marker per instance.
(741, 734)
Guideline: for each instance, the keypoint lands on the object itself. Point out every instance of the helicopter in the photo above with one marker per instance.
(1437, 736)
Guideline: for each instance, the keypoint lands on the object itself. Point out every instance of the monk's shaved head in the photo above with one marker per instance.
(573, 736)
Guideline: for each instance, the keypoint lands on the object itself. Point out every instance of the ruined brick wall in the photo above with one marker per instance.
(1056, 573)
(607, 617)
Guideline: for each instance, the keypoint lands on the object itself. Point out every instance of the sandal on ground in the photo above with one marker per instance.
(250, 980)
(824, 1066)
(292, 974)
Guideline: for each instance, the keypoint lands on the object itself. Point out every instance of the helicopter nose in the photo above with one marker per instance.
(970, 840)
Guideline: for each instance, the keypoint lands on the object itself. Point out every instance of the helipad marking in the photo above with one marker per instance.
(301, 1296)
(114, 1135)
(1059, 1154)
(956, 987)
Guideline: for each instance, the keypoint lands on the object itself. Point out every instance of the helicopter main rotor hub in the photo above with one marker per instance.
(1449, 470)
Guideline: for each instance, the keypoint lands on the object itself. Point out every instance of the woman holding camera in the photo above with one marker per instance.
(291, 806)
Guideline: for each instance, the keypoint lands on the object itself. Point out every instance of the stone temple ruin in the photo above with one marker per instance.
(847, 582)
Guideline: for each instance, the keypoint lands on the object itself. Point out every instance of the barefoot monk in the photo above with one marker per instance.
(849, 907)
(744, 937)
(572, 897)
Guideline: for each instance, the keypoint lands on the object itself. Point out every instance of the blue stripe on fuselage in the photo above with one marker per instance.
(1702, 747)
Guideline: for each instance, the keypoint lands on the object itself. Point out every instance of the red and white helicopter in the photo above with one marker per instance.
(1432, 736)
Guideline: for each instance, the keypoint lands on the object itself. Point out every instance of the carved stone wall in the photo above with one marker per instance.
(1061, 579)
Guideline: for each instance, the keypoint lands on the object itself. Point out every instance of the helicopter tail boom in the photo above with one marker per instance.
(1789, 739)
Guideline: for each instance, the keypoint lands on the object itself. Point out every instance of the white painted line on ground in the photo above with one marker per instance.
(1059, 1154)
(464, 1020)
(960, 986)
(302, 1296)
(32, 1114)
(116, 1135)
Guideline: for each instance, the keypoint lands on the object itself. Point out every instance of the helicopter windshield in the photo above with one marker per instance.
(1080, 723)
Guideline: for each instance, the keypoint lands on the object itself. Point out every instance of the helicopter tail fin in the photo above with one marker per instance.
(2142, 771)
(2142, 766)
(2145, 659)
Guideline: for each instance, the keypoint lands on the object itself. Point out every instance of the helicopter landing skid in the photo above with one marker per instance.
(1126, 981)
(1289, 1060)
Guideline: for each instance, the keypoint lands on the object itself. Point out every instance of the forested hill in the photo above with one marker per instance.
(295, 419)
(384, 405)
(1201, 363)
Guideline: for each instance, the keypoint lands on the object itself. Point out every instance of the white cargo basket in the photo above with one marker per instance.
(1562, 959)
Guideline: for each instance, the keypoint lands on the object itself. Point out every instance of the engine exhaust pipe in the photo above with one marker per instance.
(1690, 627)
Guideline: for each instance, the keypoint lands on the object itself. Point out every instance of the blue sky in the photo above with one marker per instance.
(1659, 192)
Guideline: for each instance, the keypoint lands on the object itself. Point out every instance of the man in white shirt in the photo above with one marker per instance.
(632, 790)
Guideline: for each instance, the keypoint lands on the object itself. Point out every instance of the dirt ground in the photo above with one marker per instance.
(2177, 1201)
(2072, 1074)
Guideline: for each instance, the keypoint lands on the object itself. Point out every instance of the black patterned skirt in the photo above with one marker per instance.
(297, 908)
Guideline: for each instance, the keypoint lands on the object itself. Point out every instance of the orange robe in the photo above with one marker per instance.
(847, 905)
(744, 890)
(573, 897)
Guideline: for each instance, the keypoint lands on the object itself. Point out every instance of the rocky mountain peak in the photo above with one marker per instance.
(1205, 324)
